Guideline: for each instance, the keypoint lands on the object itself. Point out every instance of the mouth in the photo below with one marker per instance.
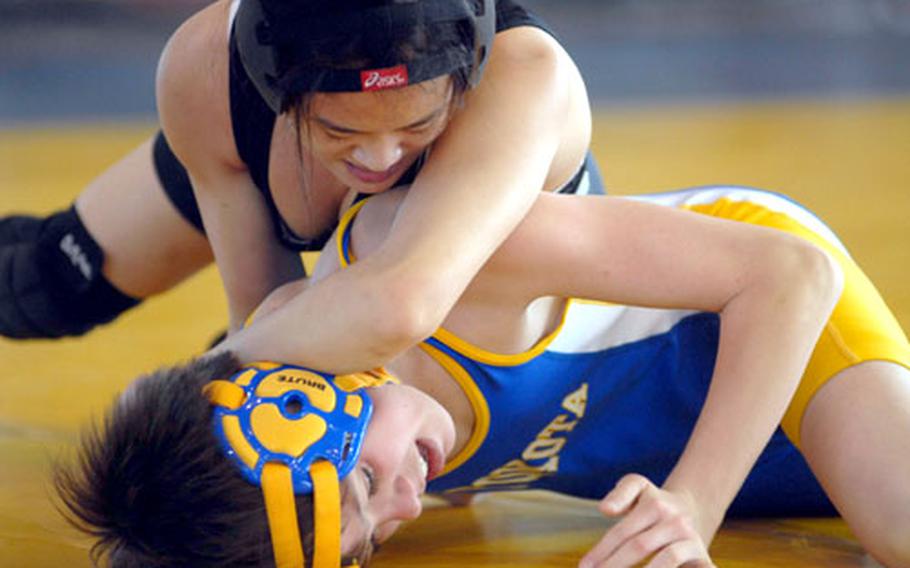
(431, 458)
(370, 176)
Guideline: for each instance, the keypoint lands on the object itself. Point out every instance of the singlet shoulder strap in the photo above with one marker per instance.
(252, 121)
(343, 235)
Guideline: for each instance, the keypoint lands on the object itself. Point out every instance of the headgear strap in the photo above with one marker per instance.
(294, 430)
(281, 509)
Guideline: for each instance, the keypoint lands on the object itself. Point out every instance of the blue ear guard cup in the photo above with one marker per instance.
(291, 430)
(293, 416)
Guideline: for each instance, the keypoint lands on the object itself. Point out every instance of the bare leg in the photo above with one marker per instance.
(149, 247)
(856, 438)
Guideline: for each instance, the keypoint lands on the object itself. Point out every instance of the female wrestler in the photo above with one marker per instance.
(279, 112)
(525, 388)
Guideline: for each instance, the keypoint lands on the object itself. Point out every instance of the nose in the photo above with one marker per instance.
(378, 153)
(407, 505)
(401, 502)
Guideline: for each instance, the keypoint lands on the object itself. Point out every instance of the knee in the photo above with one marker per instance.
(16, 229)
(51, 283)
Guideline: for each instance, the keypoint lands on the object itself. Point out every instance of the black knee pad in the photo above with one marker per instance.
(51, 283)
(19, 228)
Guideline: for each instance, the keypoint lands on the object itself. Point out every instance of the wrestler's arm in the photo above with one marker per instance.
(480, 180)
(773, 291)
(193, 105)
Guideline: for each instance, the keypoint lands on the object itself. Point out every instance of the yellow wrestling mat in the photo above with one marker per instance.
(848, 161)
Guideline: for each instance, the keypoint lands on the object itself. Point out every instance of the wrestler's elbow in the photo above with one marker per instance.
(808, 274)
(822, 273)
(406, 315)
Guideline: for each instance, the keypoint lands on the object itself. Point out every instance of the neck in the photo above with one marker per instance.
(417, 369)
(505, 331)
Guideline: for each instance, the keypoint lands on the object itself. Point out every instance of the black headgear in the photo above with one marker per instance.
(267, 55)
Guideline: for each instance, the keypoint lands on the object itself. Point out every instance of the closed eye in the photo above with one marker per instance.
(370, 481)
(337, 134)
(419, 128)
(355, 497)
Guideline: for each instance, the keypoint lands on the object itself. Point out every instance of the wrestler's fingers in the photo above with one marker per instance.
(641, 546)
(689, 553)
(638, 520)
(624, 495)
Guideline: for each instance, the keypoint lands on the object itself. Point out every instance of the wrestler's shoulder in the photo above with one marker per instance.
(192, 86)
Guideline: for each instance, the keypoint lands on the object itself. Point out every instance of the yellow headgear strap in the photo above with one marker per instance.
(281, 510)
(278, 489)
(282, 513)
(326, 515)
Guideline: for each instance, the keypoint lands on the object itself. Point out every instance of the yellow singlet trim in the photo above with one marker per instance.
(861, 327)
(481, 355)
(458, 344)
(343, 227)
(476, 399)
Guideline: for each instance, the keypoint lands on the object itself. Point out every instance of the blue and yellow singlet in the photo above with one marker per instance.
(617, 389)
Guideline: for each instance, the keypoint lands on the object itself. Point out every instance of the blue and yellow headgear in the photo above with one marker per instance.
(292, 430)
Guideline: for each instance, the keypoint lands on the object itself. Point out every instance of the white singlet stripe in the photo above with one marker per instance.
(769, 200)
(593, 326)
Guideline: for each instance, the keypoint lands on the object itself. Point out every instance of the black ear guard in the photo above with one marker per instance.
(264, 55)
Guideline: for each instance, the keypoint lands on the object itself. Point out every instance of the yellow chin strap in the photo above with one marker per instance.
(277, 480)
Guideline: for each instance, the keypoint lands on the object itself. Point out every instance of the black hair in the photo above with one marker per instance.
(152, 485)
(297, 83)
(360, 50)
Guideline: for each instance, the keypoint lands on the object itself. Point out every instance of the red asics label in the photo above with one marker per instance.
(388, 78)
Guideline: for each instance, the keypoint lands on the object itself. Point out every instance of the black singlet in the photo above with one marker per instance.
(253, 122)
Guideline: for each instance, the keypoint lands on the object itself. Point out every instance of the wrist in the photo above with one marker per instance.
(708, 509)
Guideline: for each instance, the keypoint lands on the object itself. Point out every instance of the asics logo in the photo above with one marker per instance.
(388, 78)
(77, 256)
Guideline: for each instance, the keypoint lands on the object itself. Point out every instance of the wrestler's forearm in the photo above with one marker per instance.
(482, 178)
(339, 325)
(767, 335)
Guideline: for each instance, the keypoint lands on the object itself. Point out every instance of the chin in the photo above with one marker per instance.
(442, 424)
(429, 417)
(360, 186)
(371, 188)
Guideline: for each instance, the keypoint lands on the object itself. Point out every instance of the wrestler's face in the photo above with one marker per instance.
(368, 140)
(407, 441)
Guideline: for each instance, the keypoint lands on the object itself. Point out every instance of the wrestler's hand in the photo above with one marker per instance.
(657, 524)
